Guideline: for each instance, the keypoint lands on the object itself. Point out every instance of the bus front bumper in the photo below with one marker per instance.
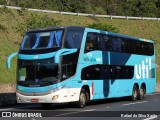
(60, 96)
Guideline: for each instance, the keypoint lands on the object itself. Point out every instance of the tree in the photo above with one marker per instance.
(149, 9)
(3, 2)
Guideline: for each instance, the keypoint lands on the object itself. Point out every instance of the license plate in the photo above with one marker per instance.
(34, 100)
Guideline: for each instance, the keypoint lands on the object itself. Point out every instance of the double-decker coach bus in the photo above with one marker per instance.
(77, 64)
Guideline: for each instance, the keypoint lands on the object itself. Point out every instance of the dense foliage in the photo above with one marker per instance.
(13, 24)
(142, 8)
(36, 21)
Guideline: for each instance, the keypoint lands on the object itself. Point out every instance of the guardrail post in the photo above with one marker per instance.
(127, 17)
(111, 17)
(94, 15)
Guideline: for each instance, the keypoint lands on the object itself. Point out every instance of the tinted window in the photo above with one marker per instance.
(126, 45)
(100, 72)
(137, 47)
(92, 42)
(112, 43)
(68, 70)
(39, 72)
(73, 39)
(41, 40)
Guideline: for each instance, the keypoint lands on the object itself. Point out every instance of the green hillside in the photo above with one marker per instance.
(13, 20)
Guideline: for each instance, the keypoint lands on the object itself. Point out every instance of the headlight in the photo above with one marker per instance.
(54, 97)
(18, 98)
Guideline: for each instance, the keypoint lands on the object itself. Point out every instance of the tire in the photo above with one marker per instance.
(82, 99)
(141, 93)
(134, 93)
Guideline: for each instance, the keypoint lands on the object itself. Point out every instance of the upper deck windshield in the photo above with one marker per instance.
(42, 40)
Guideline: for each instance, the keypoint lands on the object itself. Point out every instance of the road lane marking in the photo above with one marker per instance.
(150, 118)
(69, 113)
(135, 103)
(18, 108)
(108, 107)
(75, 112)
(6, 109)
(90, 110)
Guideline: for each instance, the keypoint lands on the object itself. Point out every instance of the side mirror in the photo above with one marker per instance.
(9, 59)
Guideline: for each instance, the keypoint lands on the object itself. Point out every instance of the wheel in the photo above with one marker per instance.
(46, 105)
(134, 93)
(82, 99)
(141, 93)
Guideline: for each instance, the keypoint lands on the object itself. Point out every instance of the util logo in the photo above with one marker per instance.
(143, 70)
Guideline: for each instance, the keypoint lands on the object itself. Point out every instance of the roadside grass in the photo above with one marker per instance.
(10, 39)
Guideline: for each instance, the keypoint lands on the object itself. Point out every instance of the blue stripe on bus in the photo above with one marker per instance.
(119, 58)
(106, 57)
(36, 57)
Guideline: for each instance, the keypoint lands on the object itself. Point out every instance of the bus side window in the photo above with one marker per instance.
(117, 44)
(68, 70)
(124, 44)
(113, 72)
(131, 72)
(97, 72)
(108, 42)
(128, 46)
(150, 49)
(132, 46)
(113, 43)
(73, 39)
(138, 48)
(92, 42)
(128, 72)
(119, 73)
(107, 72)
(86, 73)
(102, 41)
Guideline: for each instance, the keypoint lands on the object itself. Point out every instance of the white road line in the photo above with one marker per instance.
(135, 103)
(108, 107)
(74, 112)
(18, 108)
(90, 110)
(150, 118)
(6, 109)
(69, 113)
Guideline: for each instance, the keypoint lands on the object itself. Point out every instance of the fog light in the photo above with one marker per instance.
(54, 97)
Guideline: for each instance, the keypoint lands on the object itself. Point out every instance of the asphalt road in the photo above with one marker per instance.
(112, 109)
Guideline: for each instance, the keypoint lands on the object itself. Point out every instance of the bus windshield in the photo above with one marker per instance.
(42, 40)
(38, 72)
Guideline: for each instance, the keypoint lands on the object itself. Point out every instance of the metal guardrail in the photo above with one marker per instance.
(84, 14)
